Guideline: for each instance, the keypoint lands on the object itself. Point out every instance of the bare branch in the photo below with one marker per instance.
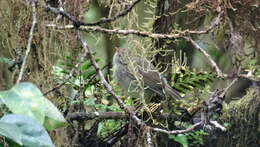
(118, 31)
(149, 138)
(98, 115)
(113, 115)
(121, 14)
(171, 36)
(130, 31)
(217, 125)
(176, 131)
(29, 43)
(212, 62)
(55, 88)
(216, 21)
(78, 23)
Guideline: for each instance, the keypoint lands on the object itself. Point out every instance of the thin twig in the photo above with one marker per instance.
(118, 31)
(177, 131)
(29, 43)
(217, 125)
(120, 14)
(216, 21)
(96, 115)
(78, 23)
(130, 31)
(212, 62)
(112, 115)
(55, 88)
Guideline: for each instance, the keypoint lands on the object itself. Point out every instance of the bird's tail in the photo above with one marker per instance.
(172, 92)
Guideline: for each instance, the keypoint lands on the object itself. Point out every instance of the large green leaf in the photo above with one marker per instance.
(25, 98)
(7, 130)
(54, 118)
(32, 134)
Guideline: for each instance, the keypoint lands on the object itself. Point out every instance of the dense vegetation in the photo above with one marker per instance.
(57, 88)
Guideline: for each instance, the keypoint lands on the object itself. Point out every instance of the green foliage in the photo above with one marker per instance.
(87, 72)
(180, 138)
(27, 99)
(24, 131)
(6, 60)
(91, 102)
(189, 139)
(254, 68)
(84, 80)
(108, 127)
(185, 80)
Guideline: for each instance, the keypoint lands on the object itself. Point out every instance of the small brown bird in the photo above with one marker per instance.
(153, 82)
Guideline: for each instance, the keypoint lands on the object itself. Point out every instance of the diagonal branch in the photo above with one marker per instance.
(29, 43)
(78, 23)
(105, 83)
(212, 62)
(121, 14)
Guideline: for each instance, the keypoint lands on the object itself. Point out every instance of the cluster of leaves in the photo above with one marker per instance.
(82, 81)
(189, 139)
(92, 102)
(185, 80)
(87, 71)
(95, 97)
(108, 127)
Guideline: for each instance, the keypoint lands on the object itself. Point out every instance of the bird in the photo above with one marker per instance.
(153, 81)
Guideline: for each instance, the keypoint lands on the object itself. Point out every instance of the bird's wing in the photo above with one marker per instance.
(152, 81)
(157, 84)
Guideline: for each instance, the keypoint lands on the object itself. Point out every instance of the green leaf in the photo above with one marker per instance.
(54, 118)
(7, 130)
(88, 74)
(87, 64)
(180, 138)
(25, 98)
(90, 102)
(6, 60)
(32, 133)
